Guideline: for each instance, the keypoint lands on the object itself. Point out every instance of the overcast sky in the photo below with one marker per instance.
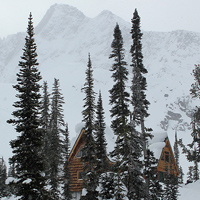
(156, 15)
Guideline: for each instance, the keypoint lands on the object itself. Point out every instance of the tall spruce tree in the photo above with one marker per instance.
(134, 181)
(90, 179)
(57, 126)
(176, 156)
(170, 184)
(27, 148)
(154, 188)
(193, 153)
(138, 100)
(176, 150)
(102, 165)
(100, 140)
(119, 99)
(45, 121)
(66, 175)
(3, 177)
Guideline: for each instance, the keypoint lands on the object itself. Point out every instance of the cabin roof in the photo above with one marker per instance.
(157, 143)
(110, 138)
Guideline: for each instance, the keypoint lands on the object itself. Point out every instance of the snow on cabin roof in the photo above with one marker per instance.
(110, 137)
(157, 143)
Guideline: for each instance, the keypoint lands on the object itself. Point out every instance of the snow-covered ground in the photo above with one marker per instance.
(190, 191)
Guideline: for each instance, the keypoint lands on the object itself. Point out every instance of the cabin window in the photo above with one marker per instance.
(161, 176)
(162, 158)
(80, 175)
(166, 156)
(80, 153)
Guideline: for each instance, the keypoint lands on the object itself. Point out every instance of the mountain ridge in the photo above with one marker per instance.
(63, 43)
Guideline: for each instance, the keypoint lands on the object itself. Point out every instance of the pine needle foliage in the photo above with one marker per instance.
(66, 178)
(3, 177)
(100, 140)
(57, 126)
(45, 121)
(90, 178)
(27, 148)
(139, 84)
(119, 100)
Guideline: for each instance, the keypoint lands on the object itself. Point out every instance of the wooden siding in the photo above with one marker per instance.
(76, 165)
(167, 157)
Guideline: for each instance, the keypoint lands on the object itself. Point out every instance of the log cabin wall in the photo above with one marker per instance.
(167, 158)
(76, 165)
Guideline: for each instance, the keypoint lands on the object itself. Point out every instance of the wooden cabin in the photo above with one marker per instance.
(160, 145)
(76, 166)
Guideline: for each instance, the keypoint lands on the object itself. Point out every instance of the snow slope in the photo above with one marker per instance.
(64, 38)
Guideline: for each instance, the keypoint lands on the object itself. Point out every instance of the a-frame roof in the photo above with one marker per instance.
(79, 138)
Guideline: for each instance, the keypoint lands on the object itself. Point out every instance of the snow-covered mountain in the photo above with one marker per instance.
(65, 36)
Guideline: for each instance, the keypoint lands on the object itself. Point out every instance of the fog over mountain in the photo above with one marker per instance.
(65, 36)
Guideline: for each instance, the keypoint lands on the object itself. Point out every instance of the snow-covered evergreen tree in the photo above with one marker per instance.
(66, 175)
(107, 187)
(193, 153)
(171, 185)
(190, 174)
(119, 99)
(154, 188)
(45, 121)
(138, 100)
(3, 177)
(100, 140)
(176, 156)
(90, 178)
(134, 180)
(176, 150)
(57, 126)
(27, 148)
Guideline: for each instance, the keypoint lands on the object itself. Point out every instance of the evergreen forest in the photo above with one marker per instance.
(39, 168)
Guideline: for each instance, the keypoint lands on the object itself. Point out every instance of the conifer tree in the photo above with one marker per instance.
(45, 121)
(90, 177)
(102, 165)
(190, 174)
(176, 150)
(27, 148)
(57, 125)
(154, 188)
(3, 177)
(138, 100)
(193, 153)
(67, 179)
(100, 140)
(170, 184)
(119, 99)
(176, 156)
(181, 175)
(107, 187)
(118, 95)
(134, 180)
(195, 92)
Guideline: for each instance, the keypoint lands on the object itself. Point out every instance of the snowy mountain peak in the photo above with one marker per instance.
(58, 19)
(107, 17)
